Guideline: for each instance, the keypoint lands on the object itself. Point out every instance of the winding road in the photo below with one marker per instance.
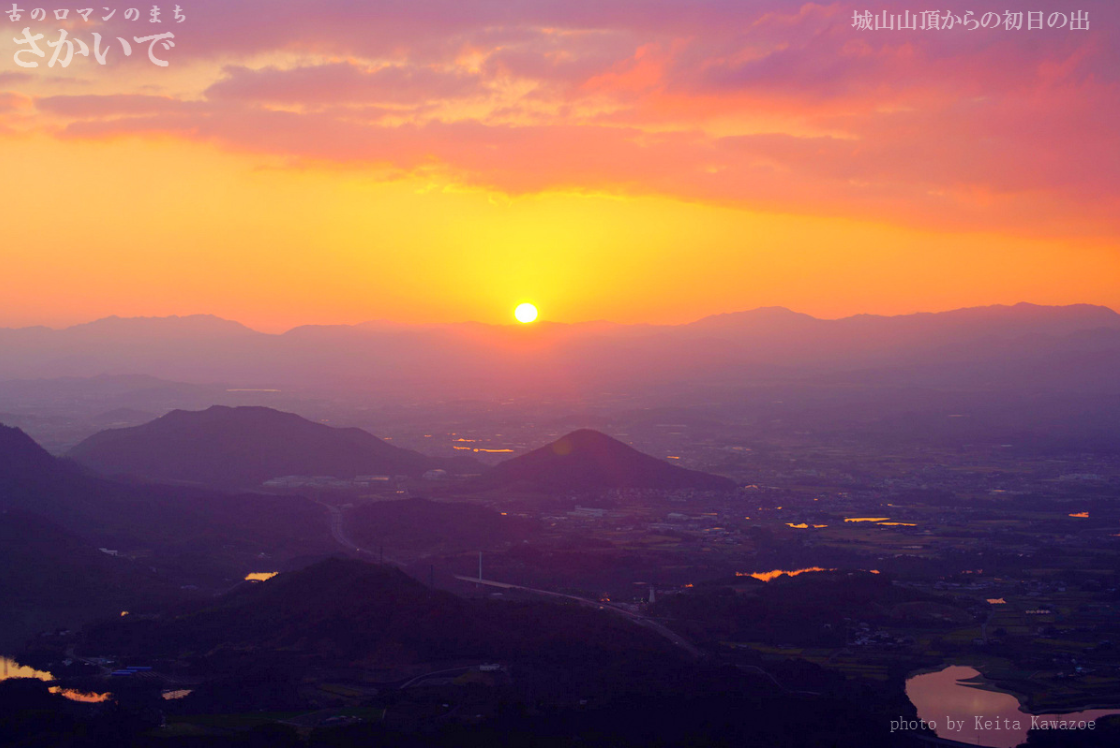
(334, 522)
(339, 534)
(637, 618)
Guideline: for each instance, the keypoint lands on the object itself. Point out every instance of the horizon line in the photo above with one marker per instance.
(544, 322)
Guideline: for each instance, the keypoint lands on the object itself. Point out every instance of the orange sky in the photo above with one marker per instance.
(658, 166)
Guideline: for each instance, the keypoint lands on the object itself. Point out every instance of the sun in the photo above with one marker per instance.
(525, 313)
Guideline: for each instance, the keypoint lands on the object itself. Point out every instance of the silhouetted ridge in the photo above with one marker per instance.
(241, 448)
(55, 515)
(21, 456)
(357, 612)
(173, 326)
(588, 460)
(1013, 345)
(127, 515)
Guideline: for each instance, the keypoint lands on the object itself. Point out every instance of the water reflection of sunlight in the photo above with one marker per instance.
(86, 697)
(953, 693)
(766, 576)
(11, 669)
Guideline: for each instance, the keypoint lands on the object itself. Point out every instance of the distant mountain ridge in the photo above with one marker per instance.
(1067, 317)
(1092, 313)
(587, 460)
(206, 323)
(189, 325)
(240, 448)
(472, 359)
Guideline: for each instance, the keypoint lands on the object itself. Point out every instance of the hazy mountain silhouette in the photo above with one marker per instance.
(1013, 320)
(239, 448)
(587, 460)
(162, 328)
(470, 359)
(779, 336)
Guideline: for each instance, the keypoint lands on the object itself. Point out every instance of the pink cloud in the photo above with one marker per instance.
(12, 102)
(116, 105)
(344, 82)
(992, 128)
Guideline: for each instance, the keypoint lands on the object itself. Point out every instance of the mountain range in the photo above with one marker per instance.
(1074, 348)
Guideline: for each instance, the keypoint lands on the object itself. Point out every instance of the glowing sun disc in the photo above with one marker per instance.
(525, 313)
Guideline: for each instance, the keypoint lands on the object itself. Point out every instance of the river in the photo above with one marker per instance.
(959, 710)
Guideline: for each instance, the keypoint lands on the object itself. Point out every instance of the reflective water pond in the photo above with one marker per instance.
(956, 708)
(9, 668)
